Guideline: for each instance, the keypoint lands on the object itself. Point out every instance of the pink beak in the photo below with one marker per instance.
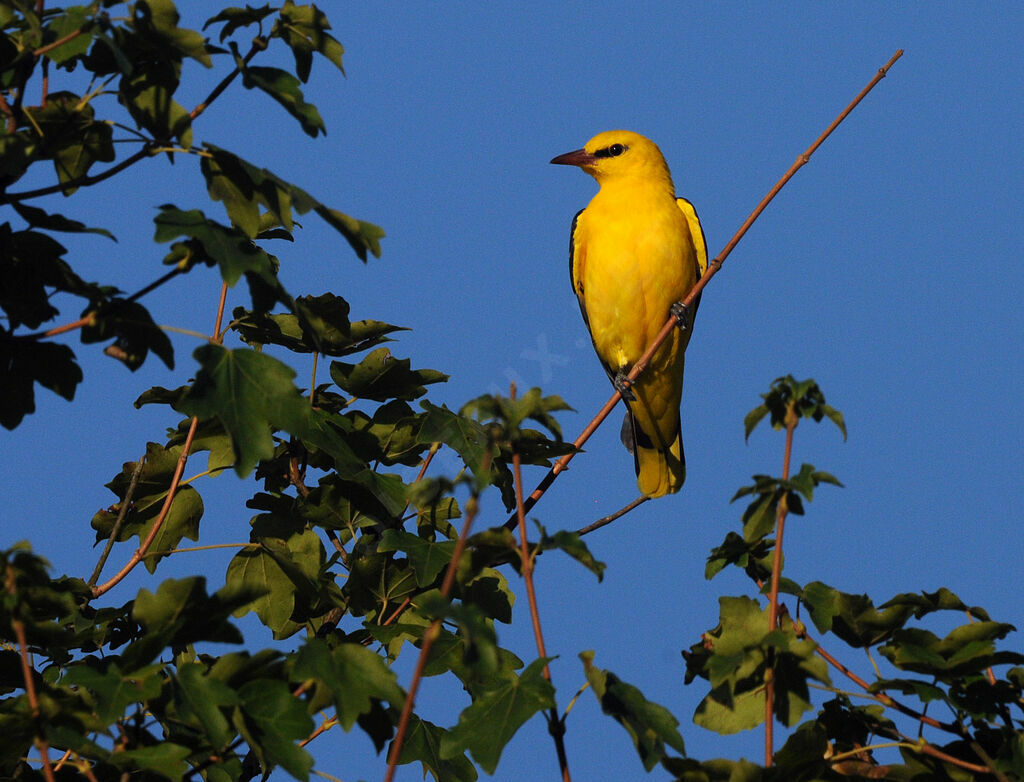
(578, 157)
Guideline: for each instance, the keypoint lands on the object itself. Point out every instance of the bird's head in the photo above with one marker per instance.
(618, 155)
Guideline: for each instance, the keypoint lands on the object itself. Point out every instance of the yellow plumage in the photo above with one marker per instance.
(634, 251)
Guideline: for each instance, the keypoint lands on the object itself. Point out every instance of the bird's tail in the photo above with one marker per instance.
(660, 466)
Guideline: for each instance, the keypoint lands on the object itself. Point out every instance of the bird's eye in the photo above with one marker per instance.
(613, 151)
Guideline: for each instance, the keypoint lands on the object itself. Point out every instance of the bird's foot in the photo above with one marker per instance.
(624, 386)
(682, 314)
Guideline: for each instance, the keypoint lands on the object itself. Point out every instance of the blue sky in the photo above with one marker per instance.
(888, 270)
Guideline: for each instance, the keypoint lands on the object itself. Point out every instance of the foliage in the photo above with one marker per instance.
(346, 555)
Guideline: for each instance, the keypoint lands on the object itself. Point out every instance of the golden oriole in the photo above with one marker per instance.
(635, 251)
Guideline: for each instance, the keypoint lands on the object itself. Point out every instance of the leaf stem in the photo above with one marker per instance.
(713, 268)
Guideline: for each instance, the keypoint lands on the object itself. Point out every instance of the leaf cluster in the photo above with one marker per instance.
(743, 653)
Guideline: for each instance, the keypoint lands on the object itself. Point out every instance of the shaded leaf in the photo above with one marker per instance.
(284, 88)
(304, 28)
(487, 725)
(274, 722)
(423, 743)
(351, 675)
(649, 725)
(22, 365)
(151, 489)
(252, 394)
(380, 377)
(427, 559)
(38, 218)
(572, 544)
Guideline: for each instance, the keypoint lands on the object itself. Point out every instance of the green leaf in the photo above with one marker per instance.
(235, 18)
(165, 759)
(274, 722)
(202, 695)
(753, 418)
(754, 558)
(147, 95)
(853, 618)
(180, 613)
(232, 250)
(151, 489)
(22, 364)
(733, 658)
(304, 28)
(244, 188)
(71, 136)
(380, 377)
(940, 600)
(648, 724)
(350, 675)
(320, 325)
(423, 743)
(427, 559)
(38, 218)
(252, 394)
(487, 725)
(460, 433)
(573, 545)
(158, 20)
(284, 88)
(73, 19)
(113, 691)
(286, 562)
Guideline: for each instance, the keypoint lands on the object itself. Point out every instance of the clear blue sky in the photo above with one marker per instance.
(888, 269)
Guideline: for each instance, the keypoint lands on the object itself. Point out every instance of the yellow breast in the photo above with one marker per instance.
(635, 258)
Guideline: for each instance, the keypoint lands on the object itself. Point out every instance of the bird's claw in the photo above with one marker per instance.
(623, 385)
(682, 313)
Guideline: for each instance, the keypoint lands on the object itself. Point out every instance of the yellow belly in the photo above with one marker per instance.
(638, 262)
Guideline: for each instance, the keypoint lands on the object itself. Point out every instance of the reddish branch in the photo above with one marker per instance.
(432, 633)
(27, 675)
(555, 723)
(792, 419)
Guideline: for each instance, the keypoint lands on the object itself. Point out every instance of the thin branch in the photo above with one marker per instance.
(83, 181)
(882, 697)
(702, 283)
(431, 635)
(125, 505)
(556, 725)
(613, 516)
(158, 523)
(26, 673)
(792, 419)
(258, 45)
(59, 42)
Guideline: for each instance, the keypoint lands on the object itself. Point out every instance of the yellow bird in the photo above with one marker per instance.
(634, 252)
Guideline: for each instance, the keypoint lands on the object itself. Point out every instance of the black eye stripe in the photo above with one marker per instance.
(613, 151)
